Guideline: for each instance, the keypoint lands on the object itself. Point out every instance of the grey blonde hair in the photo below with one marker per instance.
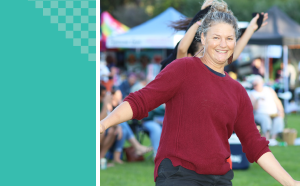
(219, 13)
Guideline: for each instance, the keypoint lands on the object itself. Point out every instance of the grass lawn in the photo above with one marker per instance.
(141, 173)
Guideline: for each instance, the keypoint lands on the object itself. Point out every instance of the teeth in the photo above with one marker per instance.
(221, 51)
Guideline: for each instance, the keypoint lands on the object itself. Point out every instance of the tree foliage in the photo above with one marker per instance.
(135, 12)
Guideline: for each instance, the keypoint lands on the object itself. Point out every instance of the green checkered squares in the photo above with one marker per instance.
(61, 11)
(69, 27)
(92, 26)
(92, 42)
(84, 49)
(92, 34)
(77, 27)
(54, 11)
(54, 19)
(84, 11)
(76, 42)
(84, 34)
(76, 11)
(69, 19)
(84, 42)
(92, 12)
(61, 19)
(46, 4)
(77, 4)
(69, 34)
(61, 4)
(92, 4)
(69, 11)
(54, 4)
(77, 19)
(39, 4)
(84, 19)
(61, 26)
(84, 4)
(92, 49)
(92, 19)
(92, 57)
(69, 4)
(46, 11)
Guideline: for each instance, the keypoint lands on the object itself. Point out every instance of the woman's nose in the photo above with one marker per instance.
(223, 43)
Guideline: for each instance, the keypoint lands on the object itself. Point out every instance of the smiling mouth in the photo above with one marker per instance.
(222, 51)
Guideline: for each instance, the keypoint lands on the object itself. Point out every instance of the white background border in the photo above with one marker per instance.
(97, 92)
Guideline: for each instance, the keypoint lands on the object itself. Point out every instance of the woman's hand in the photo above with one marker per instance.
(253, 22)
(102, 128)
(206, 4)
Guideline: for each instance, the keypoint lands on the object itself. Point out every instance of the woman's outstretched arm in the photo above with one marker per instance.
(186, 41)
(242, 42)
(120, 114)
(269, 163)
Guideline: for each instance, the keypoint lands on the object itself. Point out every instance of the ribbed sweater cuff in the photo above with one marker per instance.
(263, 151)
(133, 107)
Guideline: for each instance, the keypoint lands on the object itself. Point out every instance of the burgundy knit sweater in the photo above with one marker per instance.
(202, 110)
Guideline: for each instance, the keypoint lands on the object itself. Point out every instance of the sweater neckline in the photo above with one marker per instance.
(202, 65)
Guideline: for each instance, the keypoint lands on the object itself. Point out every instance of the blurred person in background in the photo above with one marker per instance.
(104, 73)
(258, 67)
(268, 110)
(144, 63)
(201, 112)
(154, 67)
(127, 84)
(132, 65)
(140, 83)
(125, 132)
(299, 72)
(106, 139)
(110, 70)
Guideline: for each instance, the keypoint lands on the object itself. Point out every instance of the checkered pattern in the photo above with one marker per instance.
(77, 19)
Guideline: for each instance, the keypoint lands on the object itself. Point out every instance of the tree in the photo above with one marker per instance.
(134, 12)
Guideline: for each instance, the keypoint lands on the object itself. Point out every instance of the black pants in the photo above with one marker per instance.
(168, 175)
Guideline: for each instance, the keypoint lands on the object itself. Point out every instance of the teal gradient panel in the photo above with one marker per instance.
(48, 98)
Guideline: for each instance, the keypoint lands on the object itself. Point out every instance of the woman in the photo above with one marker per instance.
(203, 107)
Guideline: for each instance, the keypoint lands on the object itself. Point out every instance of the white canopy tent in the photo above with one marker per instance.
(154, 33)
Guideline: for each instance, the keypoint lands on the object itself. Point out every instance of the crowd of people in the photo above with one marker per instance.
(199, 102)
(116, 84)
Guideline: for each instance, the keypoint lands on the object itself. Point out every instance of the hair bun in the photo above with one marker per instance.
(220, 6)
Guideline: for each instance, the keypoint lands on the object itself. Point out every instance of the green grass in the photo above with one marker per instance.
(141, 173)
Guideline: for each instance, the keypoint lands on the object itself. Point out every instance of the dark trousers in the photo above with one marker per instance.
(168, 175)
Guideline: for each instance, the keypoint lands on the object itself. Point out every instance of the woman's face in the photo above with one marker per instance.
(219, 42)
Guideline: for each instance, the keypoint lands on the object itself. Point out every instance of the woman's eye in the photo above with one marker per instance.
(216, 38)
(230, 39)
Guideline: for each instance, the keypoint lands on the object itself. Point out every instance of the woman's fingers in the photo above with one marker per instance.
(264, 24)
(206, 4)
(265, 16)
(256, 17)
